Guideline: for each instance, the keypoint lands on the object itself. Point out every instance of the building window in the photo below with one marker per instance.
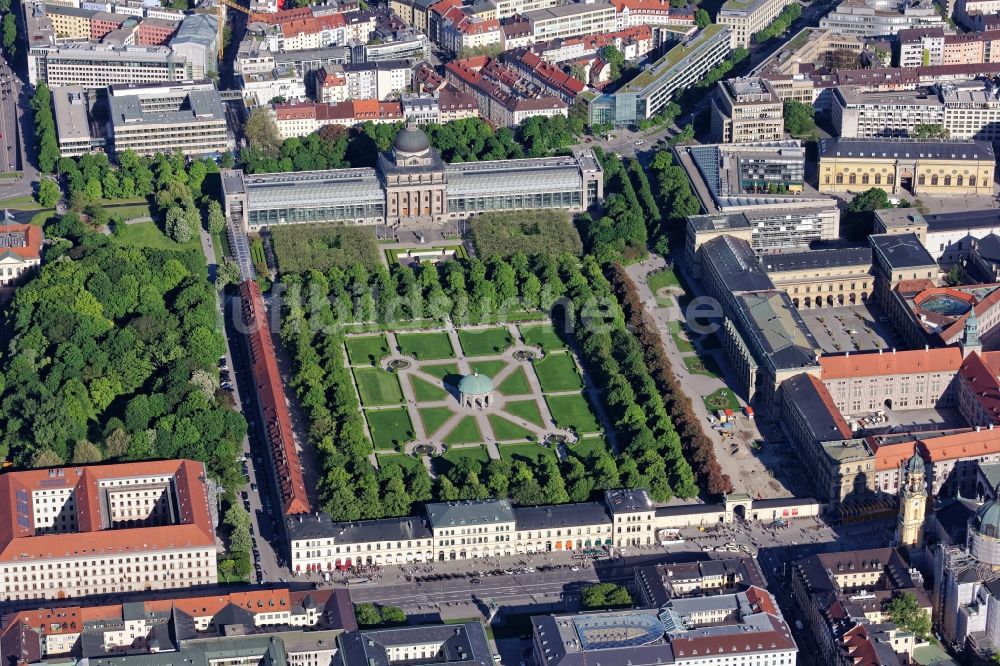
(934, 180)
(852, 179)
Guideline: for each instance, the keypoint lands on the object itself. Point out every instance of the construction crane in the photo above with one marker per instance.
(221, 6)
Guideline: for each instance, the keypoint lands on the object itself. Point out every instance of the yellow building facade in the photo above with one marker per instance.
(916, 167)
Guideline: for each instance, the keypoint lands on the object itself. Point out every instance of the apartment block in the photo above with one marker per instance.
(573, 19)
(171, 626)
(746, 18)
(152, 119)
(746, 110)
(106, 529)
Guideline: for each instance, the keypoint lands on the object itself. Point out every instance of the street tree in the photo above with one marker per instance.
(906, 613)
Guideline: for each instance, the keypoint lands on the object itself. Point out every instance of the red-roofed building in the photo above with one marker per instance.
(49, 633)
(20, 251)
(105, 529)
(302, 119)
(277, 422)
(871, 381)
(499, 91)
(549, 77)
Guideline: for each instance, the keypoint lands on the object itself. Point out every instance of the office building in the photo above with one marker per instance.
(651, 90)
(411, 186)
(150, 119)
(106, 529)
(765, 181)
(843, 596)
(20, 252)
(746, 18)
(746, 110)
(72, 106)
(919, 167)
(747, 627)
(657, 584)
(100, 65)
(877, 18)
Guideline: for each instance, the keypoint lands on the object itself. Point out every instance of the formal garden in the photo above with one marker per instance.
(414, 390)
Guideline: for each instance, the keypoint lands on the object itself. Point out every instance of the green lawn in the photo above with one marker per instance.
(504, 430)
(533, 453)
(589, 446)
(679, 336)
(466, 432)
(218, 248)
(130, 212)
(39, 219)
(390, 428)
(440, 370)
(408, 463)
(488, 368)
(451, 457)
(557, 372)
(572, 411)
(147, 234)
(424, 391)
(366, 349)
(542, 335)
(516, 383)
(26, 202)
(425, 346)
(377, 387)
(525, 409)
(659, 280)
(434, 418)
(699, 366)
(485, 341)
(721, 399)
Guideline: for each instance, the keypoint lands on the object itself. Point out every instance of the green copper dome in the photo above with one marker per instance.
(916, 464)
(475, 384)
(988, 518)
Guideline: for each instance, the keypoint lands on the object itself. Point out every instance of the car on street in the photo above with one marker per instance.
(476, 581)
(639, 142)
(253, 487)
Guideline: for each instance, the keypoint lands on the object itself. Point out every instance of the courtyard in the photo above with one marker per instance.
(850, 328)
(513, 391)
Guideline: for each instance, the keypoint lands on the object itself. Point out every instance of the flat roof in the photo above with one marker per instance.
(822, 258)
(197, 106)
(901, 250)
(471, 512)
(735, 262)
(72, 118)
(777, 330)
(719, 222)
(560, 11)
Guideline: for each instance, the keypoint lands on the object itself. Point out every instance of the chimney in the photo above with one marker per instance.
(880, 351)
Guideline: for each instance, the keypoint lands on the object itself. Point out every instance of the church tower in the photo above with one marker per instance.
(970, 336)
(912, 505)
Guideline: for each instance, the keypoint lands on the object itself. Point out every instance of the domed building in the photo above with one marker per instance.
(411, 186)
(984, 532)
(414, 178)
(475, 391)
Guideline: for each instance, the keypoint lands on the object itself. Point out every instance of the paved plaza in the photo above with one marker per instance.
(853, 328)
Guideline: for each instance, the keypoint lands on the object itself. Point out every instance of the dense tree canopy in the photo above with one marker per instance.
(799, 119)
(605, 595)
(104, 349)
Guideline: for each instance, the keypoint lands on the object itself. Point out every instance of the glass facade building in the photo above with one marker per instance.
(360, 196)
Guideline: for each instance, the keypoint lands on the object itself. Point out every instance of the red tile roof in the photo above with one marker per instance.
(890, 363)
(271, 396)
(32, 248)
(18, 540)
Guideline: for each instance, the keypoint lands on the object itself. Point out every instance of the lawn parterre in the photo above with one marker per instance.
(366, 349)
(557, 372)
(425, 346)
(440, 370)
(390, 428)
(505, 430)
(484, 341)
(572, 412)
(531, 452)
(433, 418)
(465, 431)
(525, 409)
(424, 391)
(377, 387)
(542, 335)
(516, 383)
